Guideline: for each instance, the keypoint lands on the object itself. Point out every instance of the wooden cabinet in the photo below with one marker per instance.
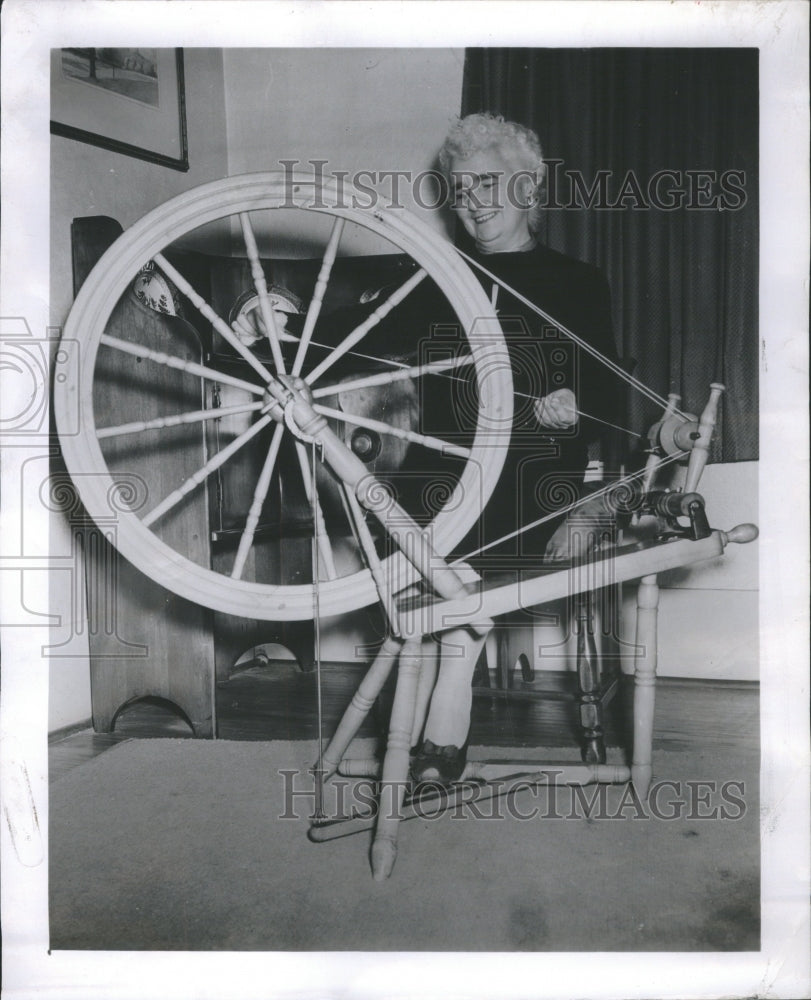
(145, 641)
(175, 650)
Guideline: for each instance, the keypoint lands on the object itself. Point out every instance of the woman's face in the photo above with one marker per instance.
(490, 199)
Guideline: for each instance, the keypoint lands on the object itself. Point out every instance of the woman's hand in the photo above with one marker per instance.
(245, 331)
(582, 530)
(557, 548)
(571, 540)
(250, 327)
(557, 411)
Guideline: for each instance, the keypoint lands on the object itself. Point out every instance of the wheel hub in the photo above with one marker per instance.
(282, 393)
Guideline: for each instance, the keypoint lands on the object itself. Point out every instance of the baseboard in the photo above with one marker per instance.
(555, 677)
(717, 683)
(65, 731)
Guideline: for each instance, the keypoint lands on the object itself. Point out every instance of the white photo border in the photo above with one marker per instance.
(780, 30)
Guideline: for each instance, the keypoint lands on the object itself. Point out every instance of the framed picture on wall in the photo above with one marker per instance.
(129, 100)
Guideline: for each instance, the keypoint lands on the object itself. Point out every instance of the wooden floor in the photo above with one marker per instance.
(278, 702)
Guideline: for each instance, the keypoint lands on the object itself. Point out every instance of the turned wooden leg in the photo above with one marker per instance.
(647, 605)
(396, 762)
(362, 700)
(590, 712)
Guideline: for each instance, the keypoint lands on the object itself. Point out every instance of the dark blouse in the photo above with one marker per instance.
(544, 468)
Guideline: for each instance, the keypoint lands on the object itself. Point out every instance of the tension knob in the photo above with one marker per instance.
(740, 534)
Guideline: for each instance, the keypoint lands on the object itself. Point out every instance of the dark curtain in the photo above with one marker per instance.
(679, 249)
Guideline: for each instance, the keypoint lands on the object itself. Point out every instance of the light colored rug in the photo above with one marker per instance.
(179, 844)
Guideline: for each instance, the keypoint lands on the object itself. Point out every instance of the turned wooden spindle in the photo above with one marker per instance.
(360, 331)
(219, 324)
(218, 459)
(255, 510)
(364, 537)
(362, 701)
(701, 446)
(390, 377)
(426, 440)
(396, 762)
(319, 291)
(177, 420)
(588, 671)
(261, 286)
(647, 608)
(179, 364)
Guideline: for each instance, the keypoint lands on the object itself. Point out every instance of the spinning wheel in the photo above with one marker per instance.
(286, 397)
(284, 393)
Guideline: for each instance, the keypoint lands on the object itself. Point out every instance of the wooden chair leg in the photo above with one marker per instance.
(645, 683)
(589, 698)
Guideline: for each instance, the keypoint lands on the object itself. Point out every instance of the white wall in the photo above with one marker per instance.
(358, 109)
(708, 613)
(86, 180)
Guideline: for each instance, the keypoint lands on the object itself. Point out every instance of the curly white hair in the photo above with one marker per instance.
(517, 143)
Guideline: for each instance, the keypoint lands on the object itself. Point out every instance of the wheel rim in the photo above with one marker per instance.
(244, 195)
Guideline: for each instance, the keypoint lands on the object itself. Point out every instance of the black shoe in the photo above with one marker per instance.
(443, 765)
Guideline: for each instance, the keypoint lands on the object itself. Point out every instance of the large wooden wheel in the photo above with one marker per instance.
(246, 205)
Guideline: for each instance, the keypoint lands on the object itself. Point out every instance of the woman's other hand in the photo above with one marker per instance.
(557, 411)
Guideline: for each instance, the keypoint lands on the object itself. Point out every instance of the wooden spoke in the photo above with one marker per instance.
(390, 362)
(169, 361)
(321, 536)
(318, 294)
(398, 375)
(426, 440)
(367, 544)
(265, 307)
(360, 331)
(213, 463)
(241, 325)
(261, 491)
(193, 417)
(219, 324)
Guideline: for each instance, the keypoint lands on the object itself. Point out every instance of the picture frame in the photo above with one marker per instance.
(128, 100)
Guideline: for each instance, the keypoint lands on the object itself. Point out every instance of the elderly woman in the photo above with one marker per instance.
(496, 172)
